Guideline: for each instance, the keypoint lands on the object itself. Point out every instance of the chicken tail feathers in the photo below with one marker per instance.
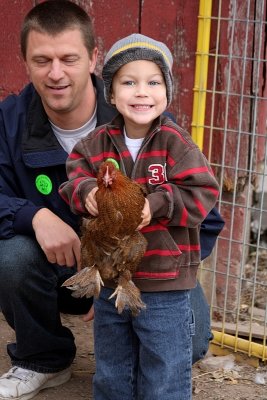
(87, 283)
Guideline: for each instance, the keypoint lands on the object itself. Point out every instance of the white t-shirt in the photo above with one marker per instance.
(133, 145)
(68, 138)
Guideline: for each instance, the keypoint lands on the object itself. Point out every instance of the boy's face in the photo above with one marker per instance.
(139, 94)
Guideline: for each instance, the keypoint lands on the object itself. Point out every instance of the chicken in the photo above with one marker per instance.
(111, 248)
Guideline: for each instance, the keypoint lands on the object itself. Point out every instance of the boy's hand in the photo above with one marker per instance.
(146, 215)
(90, 202)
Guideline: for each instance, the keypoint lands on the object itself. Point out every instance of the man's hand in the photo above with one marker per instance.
(58, 240)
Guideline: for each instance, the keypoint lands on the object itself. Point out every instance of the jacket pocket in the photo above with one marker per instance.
(161, 259)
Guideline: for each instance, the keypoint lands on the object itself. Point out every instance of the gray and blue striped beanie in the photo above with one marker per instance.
(137, 47)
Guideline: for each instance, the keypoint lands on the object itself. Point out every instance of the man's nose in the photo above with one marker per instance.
(56, 72)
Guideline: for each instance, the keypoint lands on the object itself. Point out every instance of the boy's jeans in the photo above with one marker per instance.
(148, 357)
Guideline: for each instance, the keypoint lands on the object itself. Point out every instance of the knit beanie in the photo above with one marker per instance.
(137, 47)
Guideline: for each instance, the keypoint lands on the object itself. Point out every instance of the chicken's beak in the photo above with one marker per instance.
(107, 179)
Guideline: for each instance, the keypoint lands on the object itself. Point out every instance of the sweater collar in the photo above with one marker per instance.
(118, 123)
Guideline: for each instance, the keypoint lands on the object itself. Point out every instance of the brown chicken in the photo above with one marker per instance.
(111, 246)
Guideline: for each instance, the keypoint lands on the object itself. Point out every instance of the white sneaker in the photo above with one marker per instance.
(23, 384)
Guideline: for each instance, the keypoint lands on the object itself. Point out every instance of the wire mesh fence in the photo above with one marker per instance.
(235, 276)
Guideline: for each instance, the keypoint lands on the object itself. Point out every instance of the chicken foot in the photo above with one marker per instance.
(86, 282)
(128, 295)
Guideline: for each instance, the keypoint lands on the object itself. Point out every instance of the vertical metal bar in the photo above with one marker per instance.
(201, 72)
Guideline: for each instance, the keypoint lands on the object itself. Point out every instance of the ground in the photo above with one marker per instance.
(210, 381)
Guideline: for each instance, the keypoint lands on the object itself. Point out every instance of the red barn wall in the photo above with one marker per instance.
(173, 22)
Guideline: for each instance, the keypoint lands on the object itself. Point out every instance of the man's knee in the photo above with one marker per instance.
(18, 254)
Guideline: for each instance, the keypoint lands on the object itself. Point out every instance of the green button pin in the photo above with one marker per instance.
(43, 184)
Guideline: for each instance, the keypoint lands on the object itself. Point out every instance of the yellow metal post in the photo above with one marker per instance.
(242, 345)
(201, 71)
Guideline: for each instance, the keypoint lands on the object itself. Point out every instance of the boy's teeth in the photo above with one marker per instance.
(142, 107)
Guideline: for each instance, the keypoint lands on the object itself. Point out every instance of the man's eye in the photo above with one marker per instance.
(41, 61)
(70, 60)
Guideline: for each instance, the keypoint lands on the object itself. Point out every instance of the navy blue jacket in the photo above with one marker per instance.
(30, 153)
(209, 231)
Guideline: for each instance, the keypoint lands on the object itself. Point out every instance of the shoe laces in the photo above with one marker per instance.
(19, 373)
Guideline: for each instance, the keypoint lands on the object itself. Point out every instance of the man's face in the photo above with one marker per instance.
(59, 67)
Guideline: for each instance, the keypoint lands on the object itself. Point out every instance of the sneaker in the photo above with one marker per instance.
(23, 384)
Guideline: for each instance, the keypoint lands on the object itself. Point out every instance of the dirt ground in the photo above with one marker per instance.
(216, 378)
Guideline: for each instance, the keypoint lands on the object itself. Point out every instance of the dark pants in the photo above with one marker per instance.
(31, 299)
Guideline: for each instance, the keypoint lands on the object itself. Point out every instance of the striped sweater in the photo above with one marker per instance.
(181, 191)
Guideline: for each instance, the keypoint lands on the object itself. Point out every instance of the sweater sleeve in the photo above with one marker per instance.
(189, 192)
(81, 180)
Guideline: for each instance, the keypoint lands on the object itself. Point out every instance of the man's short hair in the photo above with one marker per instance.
(55, 16)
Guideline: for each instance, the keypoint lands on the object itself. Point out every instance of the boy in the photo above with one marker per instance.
(148, 356)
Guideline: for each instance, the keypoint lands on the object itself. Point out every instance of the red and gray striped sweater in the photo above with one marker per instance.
(181, 191)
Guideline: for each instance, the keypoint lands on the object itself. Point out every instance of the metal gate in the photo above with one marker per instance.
(229, 122)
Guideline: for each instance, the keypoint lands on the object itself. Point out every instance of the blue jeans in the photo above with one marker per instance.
(148, 357)
(203, 334)
(31, 299)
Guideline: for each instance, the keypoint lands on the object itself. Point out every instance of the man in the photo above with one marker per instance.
(40, 245)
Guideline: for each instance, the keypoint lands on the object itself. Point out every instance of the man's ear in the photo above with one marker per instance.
(93, 60)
